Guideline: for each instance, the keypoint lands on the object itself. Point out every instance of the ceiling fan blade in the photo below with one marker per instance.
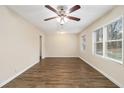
(74, 8)
(49, 18)
(51, 8)
(73, 18)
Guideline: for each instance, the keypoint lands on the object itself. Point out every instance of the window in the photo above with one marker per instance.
(108, 40)
(99, 41)
(114, 40)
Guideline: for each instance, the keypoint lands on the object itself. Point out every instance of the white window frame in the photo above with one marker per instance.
(94, 42)
(104, 41)
(115, 40)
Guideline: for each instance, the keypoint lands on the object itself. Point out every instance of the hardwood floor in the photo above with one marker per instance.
(61, 73)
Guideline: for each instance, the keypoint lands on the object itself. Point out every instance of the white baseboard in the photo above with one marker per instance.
(17, 74)
(105, 74)
(61, 56)
(43, 57)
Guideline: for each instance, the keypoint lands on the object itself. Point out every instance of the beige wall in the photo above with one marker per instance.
(61, 45)
(19, 44)
(112, 70)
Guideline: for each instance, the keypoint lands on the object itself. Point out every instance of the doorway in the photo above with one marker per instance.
(40, 48)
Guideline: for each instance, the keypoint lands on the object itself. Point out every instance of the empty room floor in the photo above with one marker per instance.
(61, 73)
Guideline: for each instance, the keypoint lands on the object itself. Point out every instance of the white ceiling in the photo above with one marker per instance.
(36, 13)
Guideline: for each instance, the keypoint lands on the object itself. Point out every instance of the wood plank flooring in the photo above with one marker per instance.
(61, 73)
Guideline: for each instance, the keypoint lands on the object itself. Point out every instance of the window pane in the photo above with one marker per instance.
(114, 30)
(114, 50)
(99, 35)
(99, 48)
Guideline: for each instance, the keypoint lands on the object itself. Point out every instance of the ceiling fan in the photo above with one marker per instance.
(63, 14)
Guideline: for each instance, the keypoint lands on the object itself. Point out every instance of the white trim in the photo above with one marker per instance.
(123, 39)
(93, 45)
(115, 60)
(105, 74)
(96, 42)
(61, 56)
(13, 77)
(115, 40)
(43, 57)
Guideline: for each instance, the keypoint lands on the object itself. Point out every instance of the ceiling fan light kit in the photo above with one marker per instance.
(62, 20)
(63, 14)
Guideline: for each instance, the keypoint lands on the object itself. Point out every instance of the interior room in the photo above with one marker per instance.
(61, 46)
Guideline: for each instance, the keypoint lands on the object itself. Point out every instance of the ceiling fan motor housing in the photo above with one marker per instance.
(62, 10)
(61, 7)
